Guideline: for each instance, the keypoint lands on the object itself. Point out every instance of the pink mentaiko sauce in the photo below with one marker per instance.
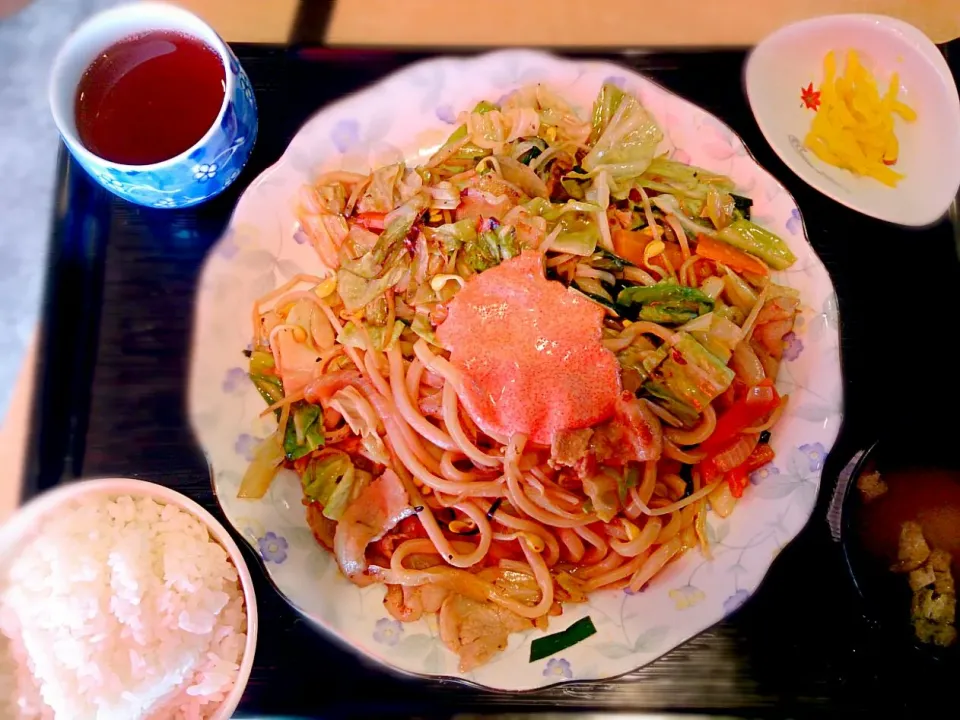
(531, 352)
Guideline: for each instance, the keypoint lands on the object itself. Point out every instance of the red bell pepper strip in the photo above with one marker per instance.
(758, 403)
(708, 473)
(371, 220)
(737, 478)
(760, 456)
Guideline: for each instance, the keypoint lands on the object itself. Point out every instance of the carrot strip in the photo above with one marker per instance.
(733, 258)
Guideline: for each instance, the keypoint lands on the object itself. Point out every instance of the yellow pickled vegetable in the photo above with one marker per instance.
(853, 127)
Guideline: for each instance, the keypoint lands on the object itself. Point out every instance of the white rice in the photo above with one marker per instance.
(121, 608)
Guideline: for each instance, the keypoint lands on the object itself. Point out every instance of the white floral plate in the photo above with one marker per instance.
(407, 116)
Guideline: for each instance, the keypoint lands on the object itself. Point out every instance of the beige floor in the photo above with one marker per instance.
(511, 22)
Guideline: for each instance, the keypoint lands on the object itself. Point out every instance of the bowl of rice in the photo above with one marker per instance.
(121, 598)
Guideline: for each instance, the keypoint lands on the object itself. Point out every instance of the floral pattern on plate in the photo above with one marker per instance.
(259, 251)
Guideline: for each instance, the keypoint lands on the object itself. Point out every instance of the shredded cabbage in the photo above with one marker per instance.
(628, 143)
(353, 336)
(333, 481)
(380, 195)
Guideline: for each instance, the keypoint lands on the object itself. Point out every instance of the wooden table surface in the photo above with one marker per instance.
(623, 23)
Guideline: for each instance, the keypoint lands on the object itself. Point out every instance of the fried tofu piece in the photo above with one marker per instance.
(871, 486)
(934, 605)
(939, 562)
(922, 577)
(928, 604)
(913, 550)
(931, 632)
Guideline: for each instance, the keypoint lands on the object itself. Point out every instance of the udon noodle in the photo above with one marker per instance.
(523, 371)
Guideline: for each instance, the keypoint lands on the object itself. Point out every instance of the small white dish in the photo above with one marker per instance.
(16, 530)
(792, 58)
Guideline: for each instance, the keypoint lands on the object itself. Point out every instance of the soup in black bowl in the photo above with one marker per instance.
(900, 533)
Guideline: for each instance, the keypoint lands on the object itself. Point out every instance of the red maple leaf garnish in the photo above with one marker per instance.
(810, 97)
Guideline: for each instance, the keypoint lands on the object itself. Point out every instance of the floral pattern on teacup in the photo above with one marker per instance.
(198, 175)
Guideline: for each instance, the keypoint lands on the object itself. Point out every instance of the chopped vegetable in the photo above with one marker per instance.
(627, 144)
(573, 225)
(454, 235)
(603, 491)
(422, 327)
(712, 287)
(762, 455)
(666, 302)
(690, 176)
(371, 220)
(304, 432)
(738, 477)
(266, 458)
(579, 234)
(738, 292)
(333, 198)
(688, 379)
(380, 196)
(719, 207)
(353, 336)
(603, 259)
(332, 481)
(269, 387)
(537, 146)
(716, 333)
(757, 404)
(630, 244)
(485, 106)
(556, 642)
(523, 177)
(742, 206)
(734, 454)
(724, 253)
(604, 107)
(357, 292)
(751, 238)
(575, 187)
(722, 501)
(491, 247)
(261, 362)
(363, 280)
(737, 480)
(670, 205)
(629, 480)
(593, 288)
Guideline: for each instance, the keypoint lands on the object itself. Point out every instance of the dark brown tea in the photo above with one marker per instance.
(149, 97)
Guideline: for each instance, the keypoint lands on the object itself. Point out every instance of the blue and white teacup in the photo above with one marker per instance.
(198, 173)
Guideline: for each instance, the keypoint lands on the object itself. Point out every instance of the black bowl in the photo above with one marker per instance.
(884, 595)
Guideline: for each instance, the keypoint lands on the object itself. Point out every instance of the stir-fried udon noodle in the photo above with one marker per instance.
(524, 370)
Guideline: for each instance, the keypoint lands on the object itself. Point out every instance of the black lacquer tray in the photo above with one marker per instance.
(111, 402)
